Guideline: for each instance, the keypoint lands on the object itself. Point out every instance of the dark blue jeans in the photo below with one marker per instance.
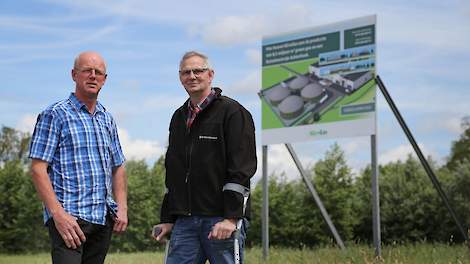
(189, 243)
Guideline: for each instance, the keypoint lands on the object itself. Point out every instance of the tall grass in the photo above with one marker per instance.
(399, 254)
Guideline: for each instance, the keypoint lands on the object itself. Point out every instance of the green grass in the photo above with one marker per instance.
(401, 254)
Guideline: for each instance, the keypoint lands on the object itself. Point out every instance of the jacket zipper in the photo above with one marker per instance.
(188, 169)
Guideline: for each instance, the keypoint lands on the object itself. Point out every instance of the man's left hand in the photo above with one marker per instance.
(120, 222)
(223, 229)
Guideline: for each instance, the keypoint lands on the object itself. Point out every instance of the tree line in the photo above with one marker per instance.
(411, 210)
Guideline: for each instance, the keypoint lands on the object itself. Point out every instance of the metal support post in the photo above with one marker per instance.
(375, 197)
(421, 157)
(317, 199)
(265, 209)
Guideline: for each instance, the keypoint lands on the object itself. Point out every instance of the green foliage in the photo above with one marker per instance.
(333, 181)
(457, 184)
(410, 205)
(145, 193)
(411, 209)
(13, 145)
(362, 230)
(460, 150)
(294, 218)
(21, 228)
(457, 171)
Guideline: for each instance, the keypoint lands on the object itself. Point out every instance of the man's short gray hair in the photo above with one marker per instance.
(193, 53)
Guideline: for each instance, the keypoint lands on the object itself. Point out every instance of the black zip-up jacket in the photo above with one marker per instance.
(219, 148)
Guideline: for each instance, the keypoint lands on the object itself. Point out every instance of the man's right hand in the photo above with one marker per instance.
(65, 223)
(166, 229)
(69, 230)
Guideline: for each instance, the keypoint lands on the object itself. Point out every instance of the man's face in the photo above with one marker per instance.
(195, 76)
(89, 75)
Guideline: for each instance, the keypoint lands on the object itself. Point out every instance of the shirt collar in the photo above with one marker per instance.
(78, 105)
(204, 103)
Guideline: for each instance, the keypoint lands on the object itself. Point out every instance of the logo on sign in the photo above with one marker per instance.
(320, 132)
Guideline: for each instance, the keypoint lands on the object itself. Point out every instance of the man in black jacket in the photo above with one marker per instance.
(210, 159)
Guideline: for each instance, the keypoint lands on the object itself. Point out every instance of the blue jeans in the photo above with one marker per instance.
(189, 243)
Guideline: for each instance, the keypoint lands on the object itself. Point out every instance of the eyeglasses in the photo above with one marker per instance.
(89, 71)
(196, 71)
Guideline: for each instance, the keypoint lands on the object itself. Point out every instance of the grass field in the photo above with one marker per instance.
(403, 254)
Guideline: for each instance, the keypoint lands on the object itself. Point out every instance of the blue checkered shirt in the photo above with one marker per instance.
(81, 149)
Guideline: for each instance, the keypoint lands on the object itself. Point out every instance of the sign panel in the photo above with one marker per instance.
(319, 83)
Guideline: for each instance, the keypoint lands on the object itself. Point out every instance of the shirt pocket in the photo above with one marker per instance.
(78, 133)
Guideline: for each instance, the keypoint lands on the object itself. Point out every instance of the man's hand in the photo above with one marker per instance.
(165, 229)
(121, 221)
(65, 223)
(69, 229)
(120, 196)
(223, 229)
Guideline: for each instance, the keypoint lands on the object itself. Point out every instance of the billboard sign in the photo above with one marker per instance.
(319, 83)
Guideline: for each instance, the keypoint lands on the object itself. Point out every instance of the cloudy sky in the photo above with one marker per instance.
(423, 56)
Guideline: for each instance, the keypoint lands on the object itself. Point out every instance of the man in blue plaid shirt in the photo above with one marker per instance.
(78, 169)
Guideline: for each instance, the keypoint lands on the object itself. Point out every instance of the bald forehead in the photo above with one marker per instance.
(89, 57)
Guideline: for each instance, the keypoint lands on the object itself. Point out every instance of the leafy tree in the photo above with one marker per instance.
(294, 218)
(21, 228)
(460, 149)
(13, 145)
(334, 183)
(145, 191)
(284, 208)
(362, 230)
(411, 209)
(456, 184)
(410, 206)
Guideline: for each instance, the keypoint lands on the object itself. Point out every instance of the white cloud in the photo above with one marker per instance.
(401, 153)
(133, 148)
(139, 149)
(240, 29)
(232, 30)
(279, 160)
(163, 101)
(464, 8)
(250, 84)
(408, 25)
(26, 123)
(357, 144)
(440, 122)
(254, 56)
(175, 12)
(397, 24)
(453, 125)
(132, 85)
(416, 95)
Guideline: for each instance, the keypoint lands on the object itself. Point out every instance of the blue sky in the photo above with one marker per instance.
(423, 56)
